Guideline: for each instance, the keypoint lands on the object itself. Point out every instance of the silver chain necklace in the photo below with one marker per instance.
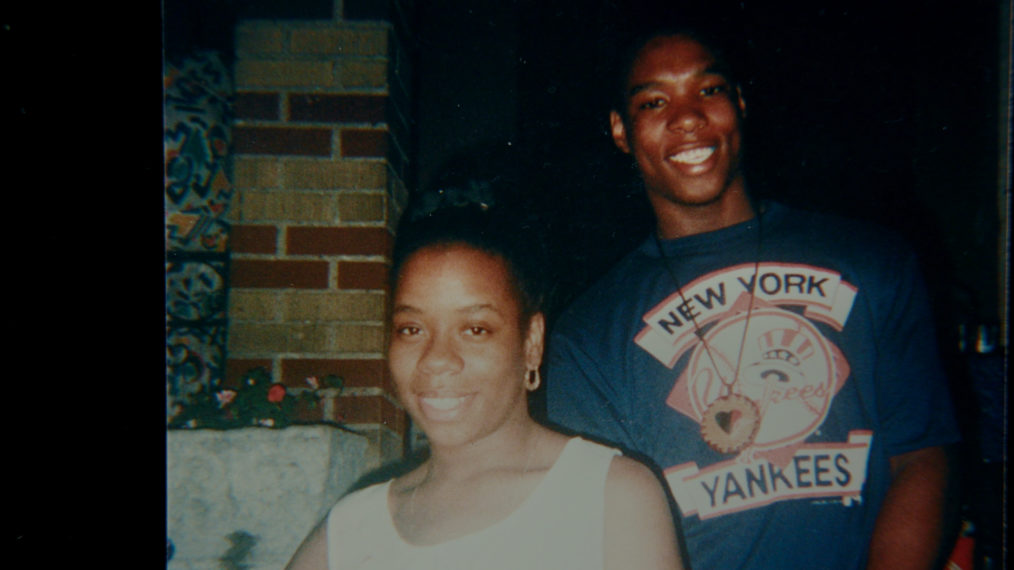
(731, 421)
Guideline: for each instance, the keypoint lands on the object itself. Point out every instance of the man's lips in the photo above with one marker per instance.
(693, 156)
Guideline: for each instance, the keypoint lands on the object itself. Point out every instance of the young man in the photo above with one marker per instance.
(778, 366)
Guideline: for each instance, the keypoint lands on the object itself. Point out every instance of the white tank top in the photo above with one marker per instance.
(560, 525)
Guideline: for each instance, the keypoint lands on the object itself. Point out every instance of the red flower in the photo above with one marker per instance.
(276, 393)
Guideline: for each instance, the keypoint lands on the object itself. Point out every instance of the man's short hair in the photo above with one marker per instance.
(719, 43)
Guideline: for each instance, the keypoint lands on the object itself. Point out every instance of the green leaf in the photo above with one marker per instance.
(334, 381)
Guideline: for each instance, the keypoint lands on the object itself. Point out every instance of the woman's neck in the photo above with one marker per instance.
(508, 448)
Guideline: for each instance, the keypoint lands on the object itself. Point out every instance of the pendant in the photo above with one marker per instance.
(730, 423)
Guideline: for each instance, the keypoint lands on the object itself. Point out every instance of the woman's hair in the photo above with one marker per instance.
(481, 228)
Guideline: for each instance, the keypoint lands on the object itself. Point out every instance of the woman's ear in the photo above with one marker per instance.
(535, 341)
(740, 102)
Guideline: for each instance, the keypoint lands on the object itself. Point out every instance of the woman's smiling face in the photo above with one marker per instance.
(457, 352)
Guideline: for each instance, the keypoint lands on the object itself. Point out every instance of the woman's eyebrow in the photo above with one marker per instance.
(470, 309)
(398, 309)
(479, 307)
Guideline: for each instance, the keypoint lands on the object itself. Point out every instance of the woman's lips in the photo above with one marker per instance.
(442, 408)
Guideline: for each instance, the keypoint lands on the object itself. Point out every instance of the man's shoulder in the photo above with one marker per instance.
(842, 232)
(606, 292)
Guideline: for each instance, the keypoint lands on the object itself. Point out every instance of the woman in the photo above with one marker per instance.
(498, 490)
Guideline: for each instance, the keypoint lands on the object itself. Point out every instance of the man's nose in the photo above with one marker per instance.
(687, 119)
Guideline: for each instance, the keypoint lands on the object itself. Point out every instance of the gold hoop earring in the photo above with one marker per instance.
(533, 380)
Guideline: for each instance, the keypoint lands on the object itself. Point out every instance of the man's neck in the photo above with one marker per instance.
(681, 220)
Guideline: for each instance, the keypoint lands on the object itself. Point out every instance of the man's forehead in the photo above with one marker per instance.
(676, 49)
(659, 76)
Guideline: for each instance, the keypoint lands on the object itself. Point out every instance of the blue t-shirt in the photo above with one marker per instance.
(837, 361)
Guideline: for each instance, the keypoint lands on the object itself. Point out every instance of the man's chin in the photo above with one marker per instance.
(693, 199)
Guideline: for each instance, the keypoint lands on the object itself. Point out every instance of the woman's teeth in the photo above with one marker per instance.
(443, 403)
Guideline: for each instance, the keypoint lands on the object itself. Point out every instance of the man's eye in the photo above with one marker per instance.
(477, 331)
(714, 90)
(652, 104)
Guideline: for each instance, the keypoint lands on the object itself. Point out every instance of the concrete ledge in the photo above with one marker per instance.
(246, 498)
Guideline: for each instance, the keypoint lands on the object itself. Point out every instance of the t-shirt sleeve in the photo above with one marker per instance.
(583, 394)
(914, 401)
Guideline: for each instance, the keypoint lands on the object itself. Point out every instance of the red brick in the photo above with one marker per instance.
(371, 410)
(369, 143)
(354, 410)
(309, 413)
(253, 239)
(256, 273)
(281, 140)
(389, 387)
(309, 240)
(338, 108)
(356, 373)
(361, 409)
(235, 368)
(393, 417)
(362, 275)
(262, 106)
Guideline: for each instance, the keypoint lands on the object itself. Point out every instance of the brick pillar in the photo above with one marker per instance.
(321, 151)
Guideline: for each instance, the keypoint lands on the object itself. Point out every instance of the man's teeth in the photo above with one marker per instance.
(693, 156)
(443, 403)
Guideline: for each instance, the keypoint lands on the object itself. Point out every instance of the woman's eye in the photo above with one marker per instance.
(477, 331)
(407, 330)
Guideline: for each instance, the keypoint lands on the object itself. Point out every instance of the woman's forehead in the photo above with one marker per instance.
(455, 267)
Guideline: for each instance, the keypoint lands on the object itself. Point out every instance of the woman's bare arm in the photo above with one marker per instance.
(640, 533)
(312, 554)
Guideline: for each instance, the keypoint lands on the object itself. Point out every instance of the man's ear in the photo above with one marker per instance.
(535, 341)
(619, 131)
(740, 101)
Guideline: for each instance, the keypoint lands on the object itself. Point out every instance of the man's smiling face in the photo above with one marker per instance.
(682, 123)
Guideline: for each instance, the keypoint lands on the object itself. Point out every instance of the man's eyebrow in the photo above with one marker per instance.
(712, 69)
(641, 87)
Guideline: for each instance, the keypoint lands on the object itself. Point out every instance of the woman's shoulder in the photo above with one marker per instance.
(353, 508)
(586, 446)
(629, 476)
(624, 475)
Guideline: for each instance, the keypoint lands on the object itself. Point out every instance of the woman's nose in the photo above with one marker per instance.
(440, 356)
